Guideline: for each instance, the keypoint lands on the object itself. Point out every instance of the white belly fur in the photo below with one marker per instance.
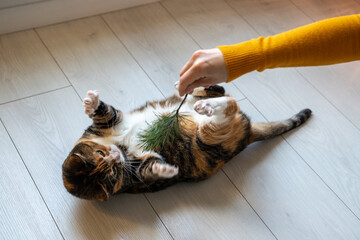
(126, 133)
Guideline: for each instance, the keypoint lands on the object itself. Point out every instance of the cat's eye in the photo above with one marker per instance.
(101, 153)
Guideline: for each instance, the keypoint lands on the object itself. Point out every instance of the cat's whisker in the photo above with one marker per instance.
(133, 173)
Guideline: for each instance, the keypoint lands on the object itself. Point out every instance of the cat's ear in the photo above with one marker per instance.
(74, 163)
(101, 193)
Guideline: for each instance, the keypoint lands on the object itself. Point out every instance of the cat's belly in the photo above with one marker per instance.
(126, 133)
(133, 124)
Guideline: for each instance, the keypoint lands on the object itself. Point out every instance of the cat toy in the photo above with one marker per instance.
(162, 132)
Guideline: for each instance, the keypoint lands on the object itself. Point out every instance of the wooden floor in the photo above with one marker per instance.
(303, 185)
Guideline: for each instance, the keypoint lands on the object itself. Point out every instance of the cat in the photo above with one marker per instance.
(108, 158)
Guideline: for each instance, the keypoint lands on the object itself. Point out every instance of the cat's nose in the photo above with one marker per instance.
(115, 155)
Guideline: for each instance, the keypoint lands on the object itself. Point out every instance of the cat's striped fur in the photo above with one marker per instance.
(107, 159)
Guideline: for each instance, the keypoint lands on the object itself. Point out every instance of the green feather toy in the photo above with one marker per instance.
(162, 132)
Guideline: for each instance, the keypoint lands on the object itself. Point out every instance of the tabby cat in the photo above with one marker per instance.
(108, 159)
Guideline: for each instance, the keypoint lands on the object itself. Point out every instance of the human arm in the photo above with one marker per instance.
(325, 42)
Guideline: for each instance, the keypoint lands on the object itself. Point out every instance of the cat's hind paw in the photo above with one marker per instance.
(204, 107)
(164, 170)
(91, 101)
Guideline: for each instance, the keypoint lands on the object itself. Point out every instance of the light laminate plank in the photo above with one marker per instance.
(44, 129)
(321, 9)
(270, 17)
(26, 67)
(158, 43)
(93, 58)
(50, 12)
(329, 143)
(340, 85)
(24, 215)
(210, 21)
(212, 209)
(290, 198)
(11, 3)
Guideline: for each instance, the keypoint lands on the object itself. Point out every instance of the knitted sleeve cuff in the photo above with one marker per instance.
(243, 57)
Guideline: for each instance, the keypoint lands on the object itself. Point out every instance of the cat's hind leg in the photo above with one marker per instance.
(222, 125)
(221, 132)
(220, 109)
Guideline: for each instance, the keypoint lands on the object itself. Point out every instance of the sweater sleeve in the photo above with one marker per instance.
(329, 41)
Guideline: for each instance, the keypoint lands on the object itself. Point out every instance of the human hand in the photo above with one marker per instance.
(205, 68)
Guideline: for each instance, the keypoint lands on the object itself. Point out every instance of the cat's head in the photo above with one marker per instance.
(93, 171)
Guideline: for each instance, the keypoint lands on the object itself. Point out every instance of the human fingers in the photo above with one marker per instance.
(188, 78)
(186, 66)
(193, 58)
(202, 82)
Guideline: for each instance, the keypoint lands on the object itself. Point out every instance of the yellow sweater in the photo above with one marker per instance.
(325, 42)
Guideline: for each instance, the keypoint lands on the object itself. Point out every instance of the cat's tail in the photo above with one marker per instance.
(262, 131)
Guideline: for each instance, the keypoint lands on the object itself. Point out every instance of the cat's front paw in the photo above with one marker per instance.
(91, 101)
(164, 170)
(204, 107)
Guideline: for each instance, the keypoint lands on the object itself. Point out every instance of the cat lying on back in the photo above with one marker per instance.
(107, 159)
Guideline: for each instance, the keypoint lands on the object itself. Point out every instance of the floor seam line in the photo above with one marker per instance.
(33, 180)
